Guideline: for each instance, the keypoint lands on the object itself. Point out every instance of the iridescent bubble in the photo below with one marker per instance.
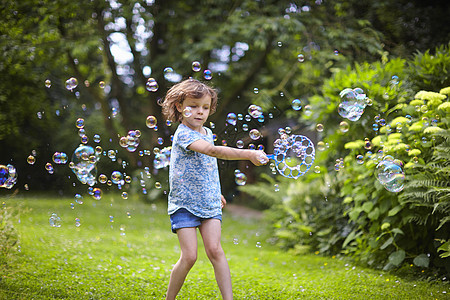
(256, 90)
(102, 84)
(97, 138)
(151, 121)
(359, 159)
(255, 134)
(84, 168)
(240, 144)
(251, 146)
(8, 176)
(245, 127)
(124, 195)
(196, 66)
(231, 119)
(367, 144)
(54, 220)
(158, 185)
(307, 110)
(97, 193)
(240, 178)
(79, 123)
(152, 85)
(31, 159)
(102, 178)
(317, 169)
(353, 102)
(60, 158)
(394, 80)
(344, 127)
(255, 111)
(78, 199)
(160, 141)
(71, 83)
(77, 222)
(168, 72)
(260, 147)
(207, 74)
(48, 83)
(321, 146)
(319, 127)
(117, 178)
(187, 112)
(123, 141)
(296, 104)
(390, 174)
(49, 168)
(300, 58)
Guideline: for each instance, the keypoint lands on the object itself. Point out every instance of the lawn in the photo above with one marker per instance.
(124, 249)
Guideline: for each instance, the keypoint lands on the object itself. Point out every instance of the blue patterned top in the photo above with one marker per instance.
(193, 176)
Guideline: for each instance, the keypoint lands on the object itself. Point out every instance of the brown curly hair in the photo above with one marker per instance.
(189, 88)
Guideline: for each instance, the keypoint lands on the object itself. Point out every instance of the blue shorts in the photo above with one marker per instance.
(183, 218)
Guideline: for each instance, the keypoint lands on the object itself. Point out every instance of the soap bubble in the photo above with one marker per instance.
(196, 66)
(117, 178)
(85, 168)
(231, 119)
(255, 111)
(48, 83)
(97, 138)
(187, 112)
(296, 104)
(152, 85)
(255, 134)
(8, 176)
(162, 158)
(321, 146)
(307, 110)
(124, 195)
(97, 193)
(207, 74)
(394, 80)
(60, 158)
(359, 159)
(77, 222)
(151, 121)
(240, 144)
(49, 168)
(319, 127)
(31, 159)
(344, 127)
(54, 220)
(71, 83)
(353, 102)
(240, 178)
(300, 58)
(168, 72)
(78, 199)
(390, 174)
(79, 123)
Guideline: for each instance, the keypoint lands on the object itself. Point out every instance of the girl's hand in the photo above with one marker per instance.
(258, 157)
(223, 202)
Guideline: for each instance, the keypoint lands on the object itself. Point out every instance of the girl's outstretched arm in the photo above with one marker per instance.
(257, 157)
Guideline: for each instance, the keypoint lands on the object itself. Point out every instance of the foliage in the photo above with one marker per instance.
(131, 258)
(377, 227)
(8, 236)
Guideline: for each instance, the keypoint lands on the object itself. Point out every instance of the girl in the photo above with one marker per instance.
(195, 199)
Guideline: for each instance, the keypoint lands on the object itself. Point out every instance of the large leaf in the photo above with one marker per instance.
(397, 257)
(422, 260)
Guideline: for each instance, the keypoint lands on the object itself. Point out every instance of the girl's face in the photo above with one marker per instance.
(195, 112)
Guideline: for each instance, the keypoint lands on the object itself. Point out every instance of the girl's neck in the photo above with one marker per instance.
(199, 129)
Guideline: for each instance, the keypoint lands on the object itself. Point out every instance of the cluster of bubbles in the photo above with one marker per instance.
(71, 83)
(8, 176)
(390, 174)
(131, 141)
(353, 103)
(60, 158)
(239, 177)
(293, 154)
(162, 157)
(84, 164)
(55, 220)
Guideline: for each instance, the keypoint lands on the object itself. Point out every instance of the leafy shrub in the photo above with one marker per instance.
(344, 207)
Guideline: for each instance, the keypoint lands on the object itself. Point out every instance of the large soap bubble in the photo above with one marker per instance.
(84, 164)
(390, 174)
(8, 176)
(353, 102)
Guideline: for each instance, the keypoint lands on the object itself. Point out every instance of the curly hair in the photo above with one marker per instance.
(189, 88)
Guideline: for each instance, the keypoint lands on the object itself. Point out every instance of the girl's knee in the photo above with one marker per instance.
(215, 252)
(189, 259)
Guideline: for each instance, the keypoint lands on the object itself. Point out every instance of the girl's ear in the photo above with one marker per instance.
(179, 106)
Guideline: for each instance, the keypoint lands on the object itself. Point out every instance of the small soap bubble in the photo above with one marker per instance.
(196, 66)
(276, 187)
(97, 138)
(240, 144)
(97, 193)
(280, 44)
(255, 111)
(319, 127)
(245, 127)
(102, 178)
(48, 83)
(160, 141)
(207, 74)
(321, 146)
(307, 110)
(336, 52)
(71, 83)
(251, 146)
(240, 178)
(256, 90)
(78, 199)
(344, 127)
(59, 158)
(394, 80)
(231, 119)
(54, 220)
(367, 144)
(124, 195)
(31, 159)
(255, 134)
(158, 185)
(152, 85)
(79, 123)
(168, 73)
(300, 58)
(77, 222)
(151, 121)
(316, 169)
(102, 84)
(49, 168)
(359, 159)
(187, 112)
(296, 104)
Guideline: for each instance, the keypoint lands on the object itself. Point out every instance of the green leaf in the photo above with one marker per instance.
(387, 243)
(422, 260)
(395, 210)
(397, 257)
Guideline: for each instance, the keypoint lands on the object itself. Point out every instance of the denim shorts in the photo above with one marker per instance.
(183, 218)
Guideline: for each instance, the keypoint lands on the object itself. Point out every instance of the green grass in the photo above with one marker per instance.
(131, 258)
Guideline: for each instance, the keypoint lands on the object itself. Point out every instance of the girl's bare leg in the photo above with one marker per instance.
(211, 233)
(188, 244)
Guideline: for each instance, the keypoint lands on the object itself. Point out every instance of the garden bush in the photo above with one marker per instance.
(341, 207)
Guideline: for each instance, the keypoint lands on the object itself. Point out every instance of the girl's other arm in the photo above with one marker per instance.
(257, 157)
